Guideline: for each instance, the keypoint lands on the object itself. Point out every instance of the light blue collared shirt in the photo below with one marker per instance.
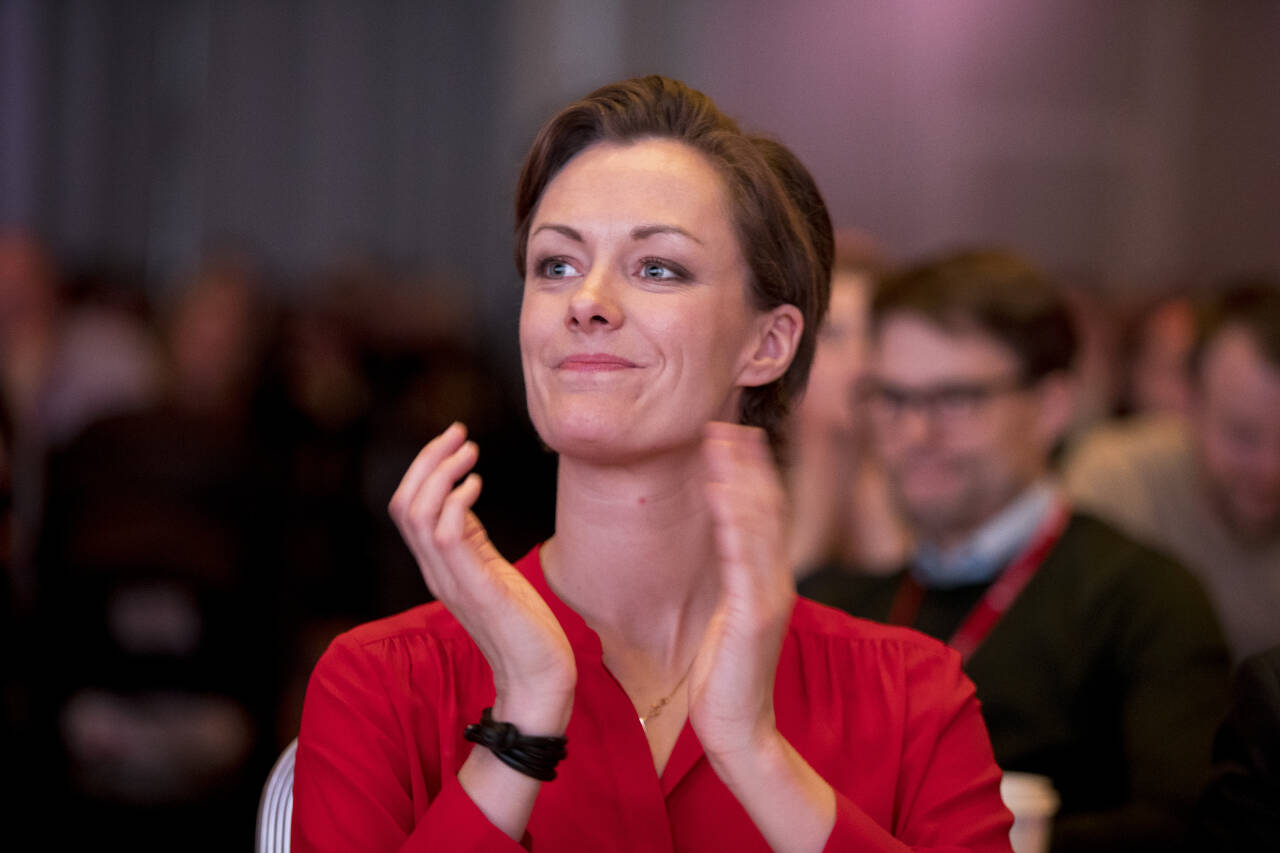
(990, 548)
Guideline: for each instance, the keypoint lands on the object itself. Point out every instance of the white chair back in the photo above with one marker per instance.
(275, 809)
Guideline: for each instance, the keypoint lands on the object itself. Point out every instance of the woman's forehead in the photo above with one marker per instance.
(649, 182)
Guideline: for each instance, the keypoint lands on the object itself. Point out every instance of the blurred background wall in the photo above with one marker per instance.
(1126, 142)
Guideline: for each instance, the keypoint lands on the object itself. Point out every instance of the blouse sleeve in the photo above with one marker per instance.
(948, 789)
(355, 786)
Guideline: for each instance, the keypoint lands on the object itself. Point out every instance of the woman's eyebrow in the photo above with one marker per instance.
(641, 232)
(560, 229)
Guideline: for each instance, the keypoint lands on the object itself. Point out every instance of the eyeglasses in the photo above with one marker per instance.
(948, 402)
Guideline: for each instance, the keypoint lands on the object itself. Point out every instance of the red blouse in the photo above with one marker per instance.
(883, 714)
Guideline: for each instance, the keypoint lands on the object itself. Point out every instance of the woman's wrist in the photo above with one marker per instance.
(793, 807)
(504, 794)
(541, 713)
(751, 757)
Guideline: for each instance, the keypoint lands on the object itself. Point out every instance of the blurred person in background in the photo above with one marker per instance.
(1095, 369)
(840, 507)
(1098, 662)
(157, 594)
(427, 369)
(315, 422)
(1206, 488)
(362, 373)
(68, 360)
(63, 365)
(1156, 359)
(216, 334)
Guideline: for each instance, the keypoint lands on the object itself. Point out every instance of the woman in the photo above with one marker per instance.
(671, 290)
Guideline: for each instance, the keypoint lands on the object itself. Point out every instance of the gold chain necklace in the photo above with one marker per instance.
(656, 708)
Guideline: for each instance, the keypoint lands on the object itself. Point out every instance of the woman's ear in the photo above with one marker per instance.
(773, 346)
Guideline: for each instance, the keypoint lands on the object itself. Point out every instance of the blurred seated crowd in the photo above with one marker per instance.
(193, 504)
(1076, 489)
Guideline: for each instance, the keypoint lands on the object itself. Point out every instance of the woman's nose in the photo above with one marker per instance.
(594, 304)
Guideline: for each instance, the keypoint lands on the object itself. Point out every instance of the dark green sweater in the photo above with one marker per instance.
(1109, 674)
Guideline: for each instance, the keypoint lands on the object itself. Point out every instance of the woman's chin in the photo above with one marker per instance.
(602, 441)
(590, 444)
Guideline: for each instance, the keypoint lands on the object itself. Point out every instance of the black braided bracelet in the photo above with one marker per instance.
(532, 756)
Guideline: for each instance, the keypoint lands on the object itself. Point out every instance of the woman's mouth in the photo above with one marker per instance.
(592, 362)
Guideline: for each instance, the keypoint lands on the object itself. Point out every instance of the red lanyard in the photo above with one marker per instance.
(999, 596)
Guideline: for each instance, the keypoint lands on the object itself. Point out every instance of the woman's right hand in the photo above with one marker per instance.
(533, 668)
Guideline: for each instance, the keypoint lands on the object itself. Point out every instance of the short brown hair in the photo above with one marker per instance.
(858, 253)
(991, 291)
(1251, 303)
(781, 220)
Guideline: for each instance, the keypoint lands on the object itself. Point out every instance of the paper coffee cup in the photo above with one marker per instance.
(1033, 802)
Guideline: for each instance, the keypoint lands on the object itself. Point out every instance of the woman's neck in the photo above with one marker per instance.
(634, 552)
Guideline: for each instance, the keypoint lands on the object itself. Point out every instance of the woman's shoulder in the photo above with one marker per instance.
(840, 660)
(423, 646)
(815, 622)
(425, 623)
(415, 636)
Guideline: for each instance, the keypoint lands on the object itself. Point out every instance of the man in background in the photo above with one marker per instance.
(1098, 662)
(1207, 488)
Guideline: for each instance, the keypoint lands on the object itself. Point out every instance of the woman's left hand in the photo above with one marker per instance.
(732, 676)
(731, 680)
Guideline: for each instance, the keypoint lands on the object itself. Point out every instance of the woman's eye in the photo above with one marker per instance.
(558, 268)
(658, 271)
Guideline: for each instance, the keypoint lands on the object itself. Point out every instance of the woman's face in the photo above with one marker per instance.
(635, 328)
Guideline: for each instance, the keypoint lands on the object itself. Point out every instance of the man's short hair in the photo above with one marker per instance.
(990, 291)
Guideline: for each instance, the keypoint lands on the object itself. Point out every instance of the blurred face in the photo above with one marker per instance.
(839, 360)
(1237, 428)
(1160, 368)
(959, 434)
(27, 289)
(211, 338)
(635, 327)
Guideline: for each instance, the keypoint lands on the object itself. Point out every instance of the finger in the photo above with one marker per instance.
(745, 539)
(424, 507)
(442, 549)
(735, 508)
(745, 464)
(733, 449)
(745, 497)
(727, 431)
(727, 527)
(418, 521)
(452, 530)
(738, 435)
(718, 440)
(424, 463)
